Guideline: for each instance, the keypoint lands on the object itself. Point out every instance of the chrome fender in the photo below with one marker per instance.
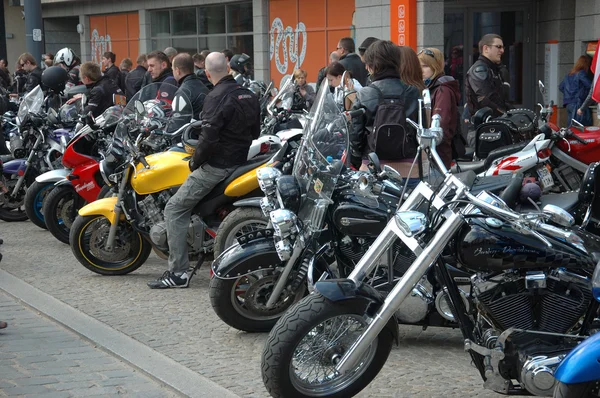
(53, 175)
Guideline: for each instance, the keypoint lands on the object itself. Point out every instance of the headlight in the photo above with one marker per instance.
(288, 193)
(284, 249)
(267, 205)
(284, 222)
(266, 179)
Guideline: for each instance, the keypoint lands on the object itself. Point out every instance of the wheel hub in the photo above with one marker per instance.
(98, 238)
(258, 295)
(64, 210)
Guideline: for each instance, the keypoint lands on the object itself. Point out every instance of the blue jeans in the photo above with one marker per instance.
(585, 119)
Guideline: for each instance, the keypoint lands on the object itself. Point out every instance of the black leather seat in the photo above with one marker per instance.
(567, 201)
(475, 166)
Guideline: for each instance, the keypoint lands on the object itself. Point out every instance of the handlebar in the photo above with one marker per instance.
(577, 138)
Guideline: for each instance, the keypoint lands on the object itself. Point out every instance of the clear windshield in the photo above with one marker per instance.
(110, 116)
(31, 103)
(165, 108)
(284, 98)
(322, 155)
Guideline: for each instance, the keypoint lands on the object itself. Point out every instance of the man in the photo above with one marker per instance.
(199, 70)
(231, 119)
(351, 60)
(110, 69)
(485, 85)
(34, 72)
(364, 45)
(228, 54)
(205, 53)
(159, 68)
(124, 68)
(133, 81)
(189, 84)
(171, 53)
(66, 59)
(102, 88)
(333, 57)
(48, 60)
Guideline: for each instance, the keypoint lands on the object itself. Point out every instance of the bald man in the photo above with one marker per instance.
(230, 121)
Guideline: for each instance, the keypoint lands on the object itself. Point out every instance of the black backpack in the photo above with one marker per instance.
(390, 138)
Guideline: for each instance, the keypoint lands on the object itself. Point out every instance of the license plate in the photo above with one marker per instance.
(545, 177)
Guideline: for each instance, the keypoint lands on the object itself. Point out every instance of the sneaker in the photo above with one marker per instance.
(170, 279)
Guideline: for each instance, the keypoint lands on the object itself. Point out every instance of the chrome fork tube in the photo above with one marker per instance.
(21, 179)
(113, 227)
(368, 261)
(405, 285)
(298, 247)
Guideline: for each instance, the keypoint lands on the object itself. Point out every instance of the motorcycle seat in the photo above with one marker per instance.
(567, 201)
(502, 152)
(475, 166)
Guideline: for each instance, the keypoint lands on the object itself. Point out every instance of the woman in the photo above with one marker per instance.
(575, 88)
(383, 60)
(305, 94)
(345, 94)
(410, 68)
(445, 98)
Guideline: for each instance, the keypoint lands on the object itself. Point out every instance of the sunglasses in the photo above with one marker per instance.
(427, 52)
(498, 46)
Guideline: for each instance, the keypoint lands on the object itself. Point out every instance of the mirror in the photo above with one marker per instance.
(392, 173)
(83, 100)
(426, 99)
(374, 162)
(577, 125)
(558, 215)
(139, 108)
(89, 120)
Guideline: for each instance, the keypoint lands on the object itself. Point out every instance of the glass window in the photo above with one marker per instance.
(183, 22)
(160, 44)
(160, 23)
(241, 44)
(211, 20)
(186, 45)
(456, 60)
(212, 43)
(239, 18)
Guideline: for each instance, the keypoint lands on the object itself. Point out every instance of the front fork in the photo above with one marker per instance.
(21, 179)
(118, 210)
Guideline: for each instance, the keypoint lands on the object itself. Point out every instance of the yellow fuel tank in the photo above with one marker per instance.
(167, 170)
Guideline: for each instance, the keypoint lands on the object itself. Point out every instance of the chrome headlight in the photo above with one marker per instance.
(411, 222)
(267, 205)
(267, 176)
(284, 249)
(284, 222)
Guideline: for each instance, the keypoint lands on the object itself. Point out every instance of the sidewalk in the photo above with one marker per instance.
(39, 357)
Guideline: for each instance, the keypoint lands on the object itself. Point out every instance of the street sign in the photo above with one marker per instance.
(37, 35)
(403, 22)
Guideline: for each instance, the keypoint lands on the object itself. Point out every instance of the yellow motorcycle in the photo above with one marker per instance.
(114, 236)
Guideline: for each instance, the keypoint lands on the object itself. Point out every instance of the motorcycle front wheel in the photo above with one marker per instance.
(59, 213)
(305, 345)
(88, 242)
(34, 201)
(579, 390)
(237, 223)
(241, 303)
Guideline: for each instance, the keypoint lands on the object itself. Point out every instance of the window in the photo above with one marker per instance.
(208, 27)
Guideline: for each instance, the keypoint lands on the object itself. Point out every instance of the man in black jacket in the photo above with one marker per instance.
(189, 84)
(110, 69)
(34, 72)
(485, 84)
(199, 70)
(159, 67)
(133, 81)
(231, 119)
(351, 60)
(101, 89)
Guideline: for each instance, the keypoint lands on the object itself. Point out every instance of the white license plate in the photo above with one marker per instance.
(545, 177)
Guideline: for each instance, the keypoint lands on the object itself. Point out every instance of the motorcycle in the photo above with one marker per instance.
(114, 236)
(45, 148)
(530, 298)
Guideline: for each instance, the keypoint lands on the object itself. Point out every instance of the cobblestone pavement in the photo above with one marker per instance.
(181, 324)
(39, 357)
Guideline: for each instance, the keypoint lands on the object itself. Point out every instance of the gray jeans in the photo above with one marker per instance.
(178, 211)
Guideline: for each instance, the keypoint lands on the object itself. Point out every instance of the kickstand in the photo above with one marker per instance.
(198, 264)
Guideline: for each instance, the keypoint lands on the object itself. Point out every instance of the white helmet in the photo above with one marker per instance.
(65, 56)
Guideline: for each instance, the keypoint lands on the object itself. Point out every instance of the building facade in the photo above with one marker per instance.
(282, 35)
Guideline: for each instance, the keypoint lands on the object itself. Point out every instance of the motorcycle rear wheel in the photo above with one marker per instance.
(88, 236)
(579, 390)
(300, 338)
(34, 201)
(57, 211)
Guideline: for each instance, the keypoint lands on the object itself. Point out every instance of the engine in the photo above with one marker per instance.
(551, 302)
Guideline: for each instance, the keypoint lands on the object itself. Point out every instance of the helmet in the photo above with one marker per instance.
(189, 138)
(239, 62)
(69, 113)
(65, 56)
(157, 109)
(55, 78)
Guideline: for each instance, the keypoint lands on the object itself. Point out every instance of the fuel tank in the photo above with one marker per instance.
(588, 153)
(355, 215)
(167, 170)
(490, 245)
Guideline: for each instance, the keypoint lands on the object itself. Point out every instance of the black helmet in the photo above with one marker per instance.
(55, 78)
(239, 62)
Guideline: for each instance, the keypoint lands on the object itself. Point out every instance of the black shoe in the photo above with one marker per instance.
(170, 279)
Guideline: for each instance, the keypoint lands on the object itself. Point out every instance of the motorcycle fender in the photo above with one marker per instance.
(244, 184)
(240, 260)
(101, 207)
(345, 290)
(53, 176)
(250, 202)
(64, 181)
(13, 166)
(582, 365)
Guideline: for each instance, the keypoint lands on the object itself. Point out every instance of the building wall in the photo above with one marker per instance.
(60, 33)
(15, 26)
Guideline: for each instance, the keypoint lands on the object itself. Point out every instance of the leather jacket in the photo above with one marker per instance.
(33, 79)
(195, 91)
(133, 81)
(101, 95)
(355, 65)
(485, 87)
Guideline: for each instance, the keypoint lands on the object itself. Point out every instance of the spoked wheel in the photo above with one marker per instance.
(34, 201)
(237, 223)
(60, 210)
(88, 242)
(241, 303)
(306, 344)
(13, 208)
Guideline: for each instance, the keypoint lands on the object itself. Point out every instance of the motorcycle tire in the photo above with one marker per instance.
(105, 192)
(56, 206)
(229, 305)
(87, 236)
(580, 390)
(239, 222)
(306, 318)
(34, 201)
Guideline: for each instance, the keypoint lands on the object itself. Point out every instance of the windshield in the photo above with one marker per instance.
(31, 103)
(285, 98)
(164, 108)
(321, 157)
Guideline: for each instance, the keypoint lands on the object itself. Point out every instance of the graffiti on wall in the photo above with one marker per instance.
(100, 45)
(285, 44)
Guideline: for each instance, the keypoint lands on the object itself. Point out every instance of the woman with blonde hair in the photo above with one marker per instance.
(445, 98)
(304, 95)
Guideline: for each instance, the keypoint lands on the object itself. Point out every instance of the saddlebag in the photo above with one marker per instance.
(514, 126)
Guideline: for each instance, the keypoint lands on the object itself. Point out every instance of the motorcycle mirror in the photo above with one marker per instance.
(426, 99)
(374, 162)
(83, 100)
(52, 115)
(392, 173)
(343, 81)
(558, 215)
(577, 125)
(139, 107)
